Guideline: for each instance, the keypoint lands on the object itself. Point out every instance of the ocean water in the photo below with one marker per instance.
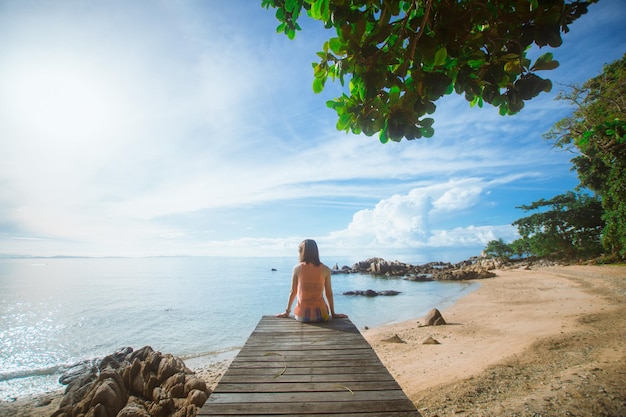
(56, 312)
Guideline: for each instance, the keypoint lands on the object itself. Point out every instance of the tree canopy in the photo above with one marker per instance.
(596, 132)
(400, 57)
(568, 225)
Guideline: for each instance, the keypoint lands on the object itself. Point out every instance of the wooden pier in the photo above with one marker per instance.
(296, 369)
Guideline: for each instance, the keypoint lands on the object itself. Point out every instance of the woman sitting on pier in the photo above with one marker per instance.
(310, 280)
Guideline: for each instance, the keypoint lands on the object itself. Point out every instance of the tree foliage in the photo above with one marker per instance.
(596, 131)
(499, 248)
(568, 225)
(399, 57)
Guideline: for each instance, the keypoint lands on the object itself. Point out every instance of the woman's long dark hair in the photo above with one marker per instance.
(309, 253)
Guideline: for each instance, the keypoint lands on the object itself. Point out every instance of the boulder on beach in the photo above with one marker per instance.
(434, 318)
(133, 383)
(431, 341)
(394, 339)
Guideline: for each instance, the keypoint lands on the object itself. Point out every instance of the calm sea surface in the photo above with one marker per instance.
(56, 312)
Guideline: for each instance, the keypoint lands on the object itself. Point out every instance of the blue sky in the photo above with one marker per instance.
(186, 128)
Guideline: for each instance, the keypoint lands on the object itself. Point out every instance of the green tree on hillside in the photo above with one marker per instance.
(596, 132)
(400, 56)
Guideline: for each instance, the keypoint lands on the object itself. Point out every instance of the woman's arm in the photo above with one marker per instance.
(292, 292)
(328, 289)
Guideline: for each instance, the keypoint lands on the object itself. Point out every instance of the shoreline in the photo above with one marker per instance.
(501, 325)
(550, 325)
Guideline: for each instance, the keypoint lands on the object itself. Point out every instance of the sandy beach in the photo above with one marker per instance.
(542, 342)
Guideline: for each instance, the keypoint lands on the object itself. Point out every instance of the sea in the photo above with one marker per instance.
(55, 312)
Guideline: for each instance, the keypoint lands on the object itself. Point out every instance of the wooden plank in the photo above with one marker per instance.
(311, 378)
(310, 408)
(322, 386)
(340, 394)
(290, 368)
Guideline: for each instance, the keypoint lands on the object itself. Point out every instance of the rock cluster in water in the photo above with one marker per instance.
(473, 268)
(372, 293)
(140, 383)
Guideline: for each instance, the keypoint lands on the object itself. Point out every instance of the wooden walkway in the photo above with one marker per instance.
(290, 368)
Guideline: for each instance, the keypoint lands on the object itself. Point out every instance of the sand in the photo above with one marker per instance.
(543, 342)
(550, 341)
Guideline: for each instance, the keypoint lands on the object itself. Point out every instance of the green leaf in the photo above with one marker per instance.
(384, 135)
(318, 85)
(291, 5)
(337, 46)
(475, 63)
(332, 104)
(320, 10)
(394, 94)
(545, 62)
(344, 121)
(280, 14)
(319, 71)
(440, 56)
(427, 132)
(588, 134)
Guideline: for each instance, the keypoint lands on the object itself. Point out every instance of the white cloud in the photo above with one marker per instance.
(413, 220)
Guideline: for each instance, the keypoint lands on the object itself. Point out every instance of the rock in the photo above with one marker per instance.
(420, 278)
(372, 293)
(430, 341)
(434, 318)
(168, 366)
(175, 385)
(128, 383)
(111, 394)
(44, 401)
(193, 382)
(133, 410)
(197, 397)
(78, 370)
(394, 339)
(388, 292)
(77, 389)
(464, 273)
(189, 411)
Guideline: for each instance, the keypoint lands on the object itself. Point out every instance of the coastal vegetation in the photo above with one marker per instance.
(592, 220)
(400, 57)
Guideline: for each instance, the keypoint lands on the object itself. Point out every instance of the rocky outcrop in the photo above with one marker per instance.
(141, 383)
(473, 268)
(465, 273)
(478, 267)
